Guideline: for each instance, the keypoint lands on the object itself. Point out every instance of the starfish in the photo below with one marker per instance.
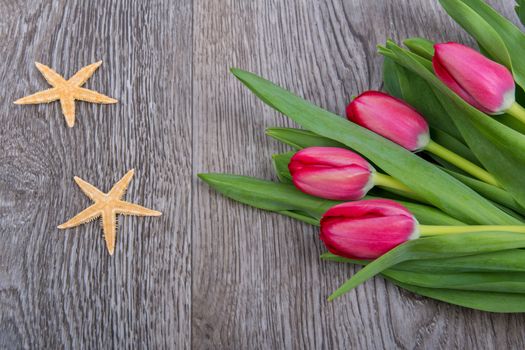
(107, 206)
(67, 91)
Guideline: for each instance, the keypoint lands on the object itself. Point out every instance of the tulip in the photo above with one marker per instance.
(485, 84)
(397, 121)
(367, 229)
(338, 174)
(377, 111)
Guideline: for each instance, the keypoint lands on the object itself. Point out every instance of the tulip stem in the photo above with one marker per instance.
(430, 230)
(461, 163)
(517, 112)
(388, 182)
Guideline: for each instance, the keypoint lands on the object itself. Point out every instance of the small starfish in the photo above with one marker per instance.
(107, 206)
(67, 91)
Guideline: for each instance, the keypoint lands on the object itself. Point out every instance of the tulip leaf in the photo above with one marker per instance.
(391, 78)
(435, 273)
(501, 281)
(484, 301)
(300, 139)
(285, 198)
(280, 163)
(488, 191)
(499, 148)
(420, 46)
(520, 10)
(267, 195)
(300, 216)
(496, 34)
(512, 260)
(437, 187)
(433, 248)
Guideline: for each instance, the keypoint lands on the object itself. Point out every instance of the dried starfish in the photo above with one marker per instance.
(67, 91)
(107, 206)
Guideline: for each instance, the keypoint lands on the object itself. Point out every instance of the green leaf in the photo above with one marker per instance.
(392, 76)
(284, 198)
(484, 301)
(496, 34)
(499, 148)
(300, 139)
(433, 248)
(496, 262)
(512, 260)
(520, 10)
(280, 163)
(436, 186)
(300, 216)
(493, 193)
(267, 195)
(420, 46)
(506, 282)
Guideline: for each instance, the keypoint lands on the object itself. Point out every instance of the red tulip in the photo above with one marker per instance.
(367, 229)
(485, 84)
(331, 173)
(391, 118)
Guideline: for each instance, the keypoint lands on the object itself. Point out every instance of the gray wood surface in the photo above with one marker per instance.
(209, 273)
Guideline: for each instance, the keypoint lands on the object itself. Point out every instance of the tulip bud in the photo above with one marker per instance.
(391, 118)
(367, 229)
(485, 84)
(331, 173)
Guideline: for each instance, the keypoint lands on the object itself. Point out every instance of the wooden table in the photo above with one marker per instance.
(209, 273)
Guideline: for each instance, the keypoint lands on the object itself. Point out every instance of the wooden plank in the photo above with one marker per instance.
(60, 289)
(257, 278)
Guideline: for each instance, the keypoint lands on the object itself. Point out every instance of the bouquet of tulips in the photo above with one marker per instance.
(424, 183)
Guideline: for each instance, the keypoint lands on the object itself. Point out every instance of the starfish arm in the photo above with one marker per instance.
(92, 96)
(89, 190)
(127, 208)
(51, 76)
(68, 108)
(118, 190)
(45, 96)
(84, 74)
(84, 216)
(109, 226)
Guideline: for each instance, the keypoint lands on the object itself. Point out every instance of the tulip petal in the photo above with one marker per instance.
(366, 238)
(330, 156)
(390, 118)
(485, 84)
(344, 183)
(373, 207)
(331, 173)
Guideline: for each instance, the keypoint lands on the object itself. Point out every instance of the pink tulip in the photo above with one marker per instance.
(367, 229)
(483, 83)
(331, 173)
(391, 118)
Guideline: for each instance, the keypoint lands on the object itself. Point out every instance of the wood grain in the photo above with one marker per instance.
(209, 273)
(257, 278)
(60, 289)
